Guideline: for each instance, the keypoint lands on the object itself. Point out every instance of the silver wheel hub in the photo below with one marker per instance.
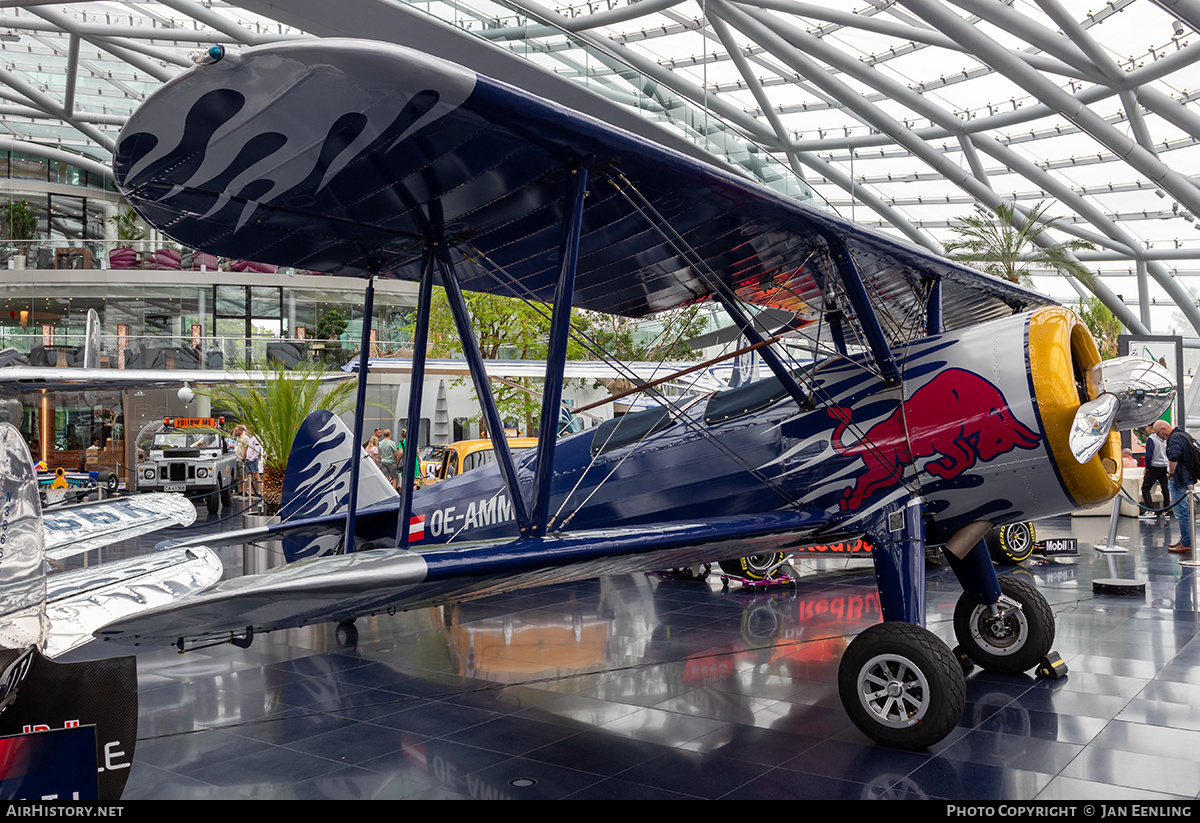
(894, 690)
(1002, 631)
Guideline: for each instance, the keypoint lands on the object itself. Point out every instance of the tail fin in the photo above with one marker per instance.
(317, 481)
(22, 564)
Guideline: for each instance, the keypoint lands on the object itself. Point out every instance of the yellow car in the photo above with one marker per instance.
(471, 454)
(431, 460)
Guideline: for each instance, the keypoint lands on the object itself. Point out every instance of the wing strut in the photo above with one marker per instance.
(483, 389)
(556, 356)
(415, 388)
(860, 301)
(719, 289)
(360, 405)
(777, 366)
(933, 309)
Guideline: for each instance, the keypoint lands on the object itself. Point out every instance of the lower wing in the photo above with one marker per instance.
(346, 586)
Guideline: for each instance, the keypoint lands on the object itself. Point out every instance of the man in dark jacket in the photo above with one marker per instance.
(1180, 471)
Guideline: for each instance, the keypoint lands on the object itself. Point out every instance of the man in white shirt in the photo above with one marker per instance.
(1155, 472)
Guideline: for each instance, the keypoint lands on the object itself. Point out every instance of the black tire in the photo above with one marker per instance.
(110, 481)
(227, 497)
(894, 660)
(1011, 545)
(1012, 643)
(213, 501)
(754, 567)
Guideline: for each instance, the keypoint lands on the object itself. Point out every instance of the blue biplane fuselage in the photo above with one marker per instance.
(976, 438)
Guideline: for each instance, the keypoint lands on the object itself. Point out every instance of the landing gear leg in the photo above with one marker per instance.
(1003, 624)
(899, 683)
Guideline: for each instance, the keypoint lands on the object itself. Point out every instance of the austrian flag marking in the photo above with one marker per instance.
(416, 527)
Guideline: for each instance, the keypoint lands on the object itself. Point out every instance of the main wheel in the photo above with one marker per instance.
(754, 567)
(1011, 545)
(1012, 640)
(901, 685)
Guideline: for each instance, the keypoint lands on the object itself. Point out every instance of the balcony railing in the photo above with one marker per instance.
(120, 254)
(186, 353)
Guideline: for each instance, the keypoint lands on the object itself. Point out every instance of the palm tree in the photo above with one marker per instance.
(274, 412)
(1105, 328)
(1006, 246)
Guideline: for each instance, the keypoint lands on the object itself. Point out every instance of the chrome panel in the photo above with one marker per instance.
(317, 590)
(22, 582)
(77, 529)
(83, 600)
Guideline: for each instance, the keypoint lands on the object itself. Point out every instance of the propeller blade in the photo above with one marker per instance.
(1093, 422)
(1144, 389)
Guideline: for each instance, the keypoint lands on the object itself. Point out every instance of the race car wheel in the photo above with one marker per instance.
(1011, 545)
(901, 685)
(110, 481)
(754, 567)
(213, 501)
(1011, 641)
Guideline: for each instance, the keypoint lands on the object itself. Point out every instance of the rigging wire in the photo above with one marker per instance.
(519, 291)
(681, 246)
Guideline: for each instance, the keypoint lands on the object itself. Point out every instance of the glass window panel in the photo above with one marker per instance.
(231, 301)
(27, 166)
(264, 302)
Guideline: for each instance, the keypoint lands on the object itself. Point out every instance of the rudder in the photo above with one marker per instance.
(317, 480)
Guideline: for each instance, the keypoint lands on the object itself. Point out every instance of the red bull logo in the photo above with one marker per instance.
(957, 417)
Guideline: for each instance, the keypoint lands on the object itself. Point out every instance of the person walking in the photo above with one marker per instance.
(240, 441)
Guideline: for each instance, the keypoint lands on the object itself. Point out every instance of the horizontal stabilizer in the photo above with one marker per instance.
(80, 601)
(76, 529)
(344, 586)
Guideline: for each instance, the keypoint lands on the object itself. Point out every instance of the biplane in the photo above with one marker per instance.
(945, 401)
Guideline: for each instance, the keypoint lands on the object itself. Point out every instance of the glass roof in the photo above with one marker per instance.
(902, 115)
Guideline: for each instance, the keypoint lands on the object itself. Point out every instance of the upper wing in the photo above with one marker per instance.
(352, 585)
(76, 529)
(342, 156)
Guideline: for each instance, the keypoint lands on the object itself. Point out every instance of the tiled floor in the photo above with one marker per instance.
(635, 687)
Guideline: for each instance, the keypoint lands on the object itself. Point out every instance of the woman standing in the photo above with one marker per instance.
(254, 463)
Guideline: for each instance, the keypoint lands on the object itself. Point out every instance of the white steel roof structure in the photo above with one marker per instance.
(904, 115)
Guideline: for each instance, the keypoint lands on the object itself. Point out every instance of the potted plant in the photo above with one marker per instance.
(274, 412)
(22, 224)
(128, 230)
